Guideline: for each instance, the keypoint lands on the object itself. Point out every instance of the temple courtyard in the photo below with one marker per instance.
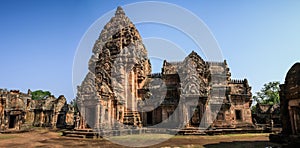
(40, 137)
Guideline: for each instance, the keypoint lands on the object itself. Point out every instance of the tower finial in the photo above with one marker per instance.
(120, 11)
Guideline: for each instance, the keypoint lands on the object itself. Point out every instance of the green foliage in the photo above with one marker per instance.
(74, 104)
(39, 94)
(253, 109)
(269, 94)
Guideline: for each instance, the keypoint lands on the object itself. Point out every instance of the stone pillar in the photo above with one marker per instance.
(98, 116)
(82, 116)
(113, 114)
(109, 121)
(41, 118)
(118, 113)
(102, 115)
(125, 84)
(133, 97)
(164, 114)
(297, 120)
(6, 121)
(186, 115)
(294, 121)
(143, 116)
(180, 116)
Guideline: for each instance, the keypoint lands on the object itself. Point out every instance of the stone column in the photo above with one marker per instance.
(291, 122)
(97, 115)
(133, 97)
(82, 116)
(186, 115)
(42, 118)
(113, 115)
(164, 114)
(109, 121)
(295, 121)
(102, 115)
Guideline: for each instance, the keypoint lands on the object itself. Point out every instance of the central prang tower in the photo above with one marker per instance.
(117, 69)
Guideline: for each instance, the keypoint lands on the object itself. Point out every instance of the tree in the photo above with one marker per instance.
(39, 95)
(74, 104)
(269, 94)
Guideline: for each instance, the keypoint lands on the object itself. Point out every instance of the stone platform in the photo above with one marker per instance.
(89, 133)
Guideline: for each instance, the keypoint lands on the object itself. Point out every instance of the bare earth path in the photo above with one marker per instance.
(46, 138)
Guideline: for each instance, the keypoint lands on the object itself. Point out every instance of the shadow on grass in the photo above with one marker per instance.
(243, 144)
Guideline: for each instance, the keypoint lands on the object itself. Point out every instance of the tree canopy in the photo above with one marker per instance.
(74, 104)
(269, 94)
(39, 94)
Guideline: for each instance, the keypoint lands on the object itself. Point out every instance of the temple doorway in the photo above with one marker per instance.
(149, 118)
(60, 120)
(12, 121)
(90, 115)
(196, 115)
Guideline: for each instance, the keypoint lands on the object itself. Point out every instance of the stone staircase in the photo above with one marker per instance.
(132, 118)
(192, 131)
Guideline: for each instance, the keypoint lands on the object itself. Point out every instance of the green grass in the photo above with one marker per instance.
(3, 137)
(166, 136)
(142, 137)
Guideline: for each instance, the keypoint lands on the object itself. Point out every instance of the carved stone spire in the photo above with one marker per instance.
(118, 33)
(120, 11)
(118, 66)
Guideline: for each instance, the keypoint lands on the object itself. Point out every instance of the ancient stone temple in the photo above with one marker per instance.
(48, 112)
(117, 69)
(18, 111)
(290, 108)
(120, 90)
(290, 101)
(13, 107)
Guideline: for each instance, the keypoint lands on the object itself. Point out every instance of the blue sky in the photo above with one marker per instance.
(38, 39)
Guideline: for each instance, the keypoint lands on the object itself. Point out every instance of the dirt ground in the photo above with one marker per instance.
(53, 139)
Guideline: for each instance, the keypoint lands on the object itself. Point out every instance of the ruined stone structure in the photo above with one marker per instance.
(18, 111)
(191, 82)
(290, 109)
(119, 89)
(13, 106)
(290, 101)
(267, 114)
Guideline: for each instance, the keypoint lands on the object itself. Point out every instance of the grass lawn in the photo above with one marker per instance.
(6, 136)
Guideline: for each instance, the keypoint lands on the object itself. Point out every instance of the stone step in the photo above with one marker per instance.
(132, 118)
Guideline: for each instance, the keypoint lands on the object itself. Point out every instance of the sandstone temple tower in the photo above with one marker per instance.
(117, 69)
(120, 90)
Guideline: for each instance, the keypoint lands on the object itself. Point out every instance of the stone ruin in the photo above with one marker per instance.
(120, 91)
(19, 112)
(290, 109)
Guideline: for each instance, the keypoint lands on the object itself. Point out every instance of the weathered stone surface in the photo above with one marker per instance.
(17, 110)
(290, 101)
(267, 114)
(289, 109)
